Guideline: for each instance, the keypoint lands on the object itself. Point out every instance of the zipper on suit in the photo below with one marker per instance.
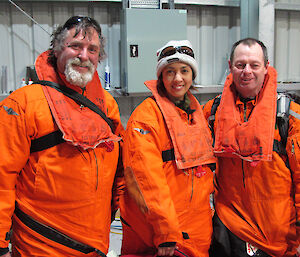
(245, 119)
(83, 90)
(81, 152)
(192, 184)
(96, 160)
(243, 173)
(245, 112)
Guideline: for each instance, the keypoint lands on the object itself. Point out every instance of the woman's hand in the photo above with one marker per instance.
(298, 251)
(6, 255)
(166, 249)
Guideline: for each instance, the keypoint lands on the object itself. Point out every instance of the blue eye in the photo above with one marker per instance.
(75, 46)
(93, 50)
(240, 66)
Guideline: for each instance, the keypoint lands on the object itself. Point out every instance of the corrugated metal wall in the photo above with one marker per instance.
(22, 40)
(287, 45)
(211, 29)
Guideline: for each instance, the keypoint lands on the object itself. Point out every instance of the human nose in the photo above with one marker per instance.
(178, 76)
(83, 55)
(247, 68)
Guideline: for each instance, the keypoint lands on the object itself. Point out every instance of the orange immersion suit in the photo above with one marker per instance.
(259, 201)
(63, 187)
(162, 203)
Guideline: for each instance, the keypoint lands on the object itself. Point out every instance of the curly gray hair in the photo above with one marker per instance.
(82, 24)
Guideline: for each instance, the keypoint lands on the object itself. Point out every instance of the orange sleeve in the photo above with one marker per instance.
(142, 155)
(293, 151)
(114, 113)
(15, 149)
(118, 187)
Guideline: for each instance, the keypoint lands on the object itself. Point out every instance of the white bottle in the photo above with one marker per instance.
(107, 78)
(23, 83)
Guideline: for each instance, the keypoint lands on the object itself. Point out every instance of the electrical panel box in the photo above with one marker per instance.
(143, 32)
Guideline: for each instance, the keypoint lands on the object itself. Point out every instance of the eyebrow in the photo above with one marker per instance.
(80, 42)
(182, 67)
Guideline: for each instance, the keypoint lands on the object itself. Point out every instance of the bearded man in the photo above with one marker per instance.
(60, 148)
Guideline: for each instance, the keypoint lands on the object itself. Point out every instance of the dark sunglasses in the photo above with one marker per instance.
(73, 21)
(170, 50)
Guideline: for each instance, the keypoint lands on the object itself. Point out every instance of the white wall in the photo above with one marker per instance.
(212, 29)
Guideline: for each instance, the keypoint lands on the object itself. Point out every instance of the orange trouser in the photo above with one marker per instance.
(28, 243)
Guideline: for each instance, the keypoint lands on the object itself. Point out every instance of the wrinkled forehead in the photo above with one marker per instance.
(253, 51)
(88, 33)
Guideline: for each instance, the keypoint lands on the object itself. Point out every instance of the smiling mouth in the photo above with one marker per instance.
(177, 87)
(247, 80)
(81, 67)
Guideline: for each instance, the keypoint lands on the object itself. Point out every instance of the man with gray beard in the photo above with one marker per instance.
(59, 169)
(74, 76)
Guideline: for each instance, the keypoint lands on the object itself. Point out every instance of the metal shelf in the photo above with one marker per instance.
(193, 2)
(209, 89)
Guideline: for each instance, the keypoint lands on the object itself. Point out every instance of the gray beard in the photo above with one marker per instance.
(75, 77)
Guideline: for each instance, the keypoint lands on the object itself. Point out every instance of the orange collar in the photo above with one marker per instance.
(192, 142)
(251, 140)
(240, 102)
(79, 125)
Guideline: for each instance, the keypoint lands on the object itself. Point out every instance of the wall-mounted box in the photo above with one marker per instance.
(143, 31)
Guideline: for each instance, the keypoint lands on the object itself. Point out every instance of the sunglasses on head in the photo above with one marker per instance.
(170, 50)
(73, 21)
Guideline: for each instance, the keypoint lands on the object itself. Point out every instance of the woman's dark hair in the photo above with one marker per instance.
(81, 23)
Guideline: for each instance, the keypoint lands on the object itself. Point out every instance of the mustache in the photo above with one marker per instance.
(75, 77)
(76, 61)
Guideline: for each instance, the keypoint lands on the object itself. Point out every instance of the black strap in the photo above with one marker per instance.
(168, 155)
(4, 250)
(212, 118)
(180, 252)
(124, 221)
(279, 148)
(47, 141)
(53, 234)
(224, 242)
(79, 98)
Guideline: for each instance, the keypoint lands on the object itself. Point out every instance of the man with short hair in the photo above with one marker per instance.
(59, 141)
(257, 186)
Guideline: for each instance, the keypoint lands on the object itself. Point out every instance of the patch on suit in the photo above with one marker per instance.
(10, 111)
(143, 132)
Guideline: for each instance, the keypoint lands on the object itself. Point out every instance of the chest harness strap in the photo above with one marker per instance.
(53, 234)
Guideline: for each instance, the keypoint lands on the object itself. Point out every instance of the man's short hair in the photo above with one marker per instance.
(81, 23)
(250, 42)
